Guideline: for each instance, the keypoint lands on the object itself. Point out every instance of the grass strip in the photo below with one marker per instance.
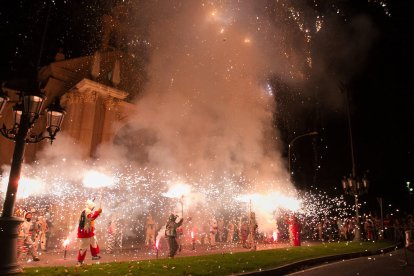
(217, 264)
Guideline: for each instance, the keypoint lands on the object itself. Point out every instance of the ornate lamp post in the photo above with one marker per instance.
(291, 144)
(25, 116)
(355, 187)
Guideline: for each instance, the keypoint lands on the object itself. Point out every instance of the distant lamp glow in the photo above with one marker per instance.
(3, 100)
(269, 89)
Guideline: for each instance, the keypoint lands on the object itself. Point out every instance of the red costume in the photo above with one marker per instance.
(296, 229)
(86, 232)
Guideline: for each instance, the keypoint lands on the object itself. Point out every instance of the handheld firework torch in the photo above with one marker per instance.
(157, 243)
(193, 240)
(65, 245)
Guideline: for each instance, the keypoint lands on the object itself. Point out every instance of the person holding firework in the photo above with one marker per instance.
(171, 234)
(86, 232)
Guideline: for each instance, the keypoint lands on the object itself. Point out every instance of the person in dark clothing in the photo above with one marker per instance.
(171, 234)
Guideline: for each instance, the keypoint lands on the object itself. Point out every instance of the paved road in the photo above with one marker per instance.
(393, 263)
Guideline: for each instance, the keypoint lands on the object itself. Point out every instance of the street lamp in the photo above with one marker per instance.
(291, 144)
(25, 116)
(353, 185)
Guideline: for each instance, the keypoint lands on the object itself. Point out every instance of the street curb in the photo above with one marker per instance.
(296, 266)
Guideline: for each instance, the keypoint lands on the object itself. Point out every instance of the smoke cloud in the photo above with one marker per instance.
(206, 100)
(205, 117)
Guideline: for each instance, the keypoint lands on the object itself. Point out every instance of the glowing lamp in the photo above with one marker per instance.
(17, 114)
(32, 104)
(3, 100)
(54, 116)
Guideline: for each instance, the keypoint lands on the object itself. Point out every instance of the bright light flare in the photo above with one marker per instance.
(27, 187)
(66, 242)
(271, 201)
(95, 179)
(274, 236)
(219, 17)
(178, 190)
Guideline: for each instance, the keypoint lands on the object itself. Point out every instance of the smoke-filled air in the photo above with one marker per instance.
(207, 144)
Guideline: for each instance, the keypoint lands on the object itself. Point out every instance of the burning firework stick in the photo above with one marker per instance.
(193, 240)
(156, 247)
(121, 239)
(65, 244)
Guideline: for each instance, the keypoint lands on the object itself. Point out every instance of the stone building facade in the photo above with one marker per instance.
(94, 90)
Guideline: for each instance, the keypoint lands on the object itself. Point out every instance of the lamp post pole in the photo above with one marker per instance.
(21, 134)
(16, 166)
(9, 224)
(291, 144)
(353, 185)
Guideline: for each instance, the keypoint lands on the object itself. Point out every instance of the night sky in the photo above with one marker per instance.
(380, 88)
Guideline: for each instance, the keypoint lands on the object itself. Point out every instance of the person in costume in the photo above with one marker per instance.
(114, 235)
(171, 234)
(230, 231)
(86, 232)
(213, 232)
(26, 233)
(43, 228)
(252, 236)
(150, 232)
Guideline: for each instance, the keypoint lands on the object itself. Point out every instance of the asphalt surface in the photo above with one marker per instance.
(396, 263)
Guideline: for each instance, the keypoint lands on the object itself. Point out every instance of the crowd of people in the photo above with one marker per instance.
(371, 228)
(243, 231)
(33, 233)
(37, 225)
